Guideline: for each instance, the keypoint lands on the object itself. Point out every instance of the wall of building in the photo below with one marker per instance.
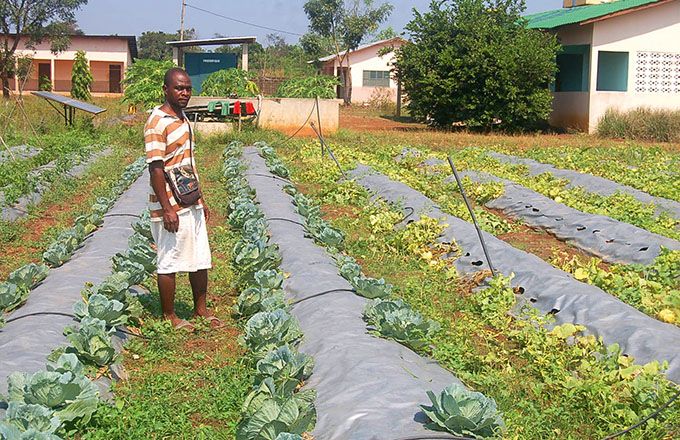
(100, 51)
(369, 60)
(652, 33)
(571, 110)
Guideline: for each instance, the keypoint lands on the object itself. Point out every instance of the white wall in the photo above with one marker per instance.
(368, 59)
(656, 29)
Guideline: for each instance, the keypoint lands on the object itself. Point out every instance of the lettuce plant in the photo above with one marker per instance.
(28, 276)
(267, 414)
(286, 367)
(91, 342)
(396, 320)
(98, 306)
(463, 413)
(267, 330)
(371, 288)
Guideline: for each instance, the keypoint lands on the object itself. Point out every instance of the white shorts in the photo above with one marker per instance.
(186, 250)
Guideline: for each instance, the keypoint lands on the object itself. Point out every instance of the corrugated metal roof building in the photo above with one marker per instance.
(616, 55)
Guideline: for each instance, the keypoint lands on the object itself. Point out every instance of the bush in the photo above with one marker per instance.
(475, 62)
(322, 86)
(229, 83)
(641, 124)
(81, 77)
(144, 81)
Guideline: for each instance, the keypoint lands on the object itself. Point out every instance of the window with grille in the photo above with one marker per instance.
(657, 72)
(376, 78)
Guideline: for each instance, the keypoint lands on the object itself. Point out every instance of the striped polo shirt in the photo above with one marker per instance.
(166, 138)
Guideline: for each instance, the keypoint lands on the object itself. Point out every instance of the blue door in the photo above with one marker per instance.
(200, 65)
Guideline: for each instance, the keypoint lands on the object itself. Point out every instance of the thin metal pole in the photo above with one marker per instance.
(318, 119)
(330, 152)
(472, 214)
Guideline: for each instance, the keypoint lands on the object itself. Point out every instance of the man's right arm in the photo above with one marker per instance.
(170, 217)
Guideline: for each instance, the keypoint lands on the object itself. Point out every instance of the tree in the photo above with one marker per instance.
(475, 61)
(346, 24)
(386, 34)
(81, 77)
(37, 20)
(152, 44)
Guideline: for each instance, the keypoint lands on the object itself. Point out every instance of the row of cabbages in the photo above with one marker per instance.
(456, 409)
(56, 402)
(275, 408)
(15, 291)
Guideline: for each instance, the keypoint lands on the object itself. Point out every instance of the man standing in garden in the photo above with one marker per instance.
(178, 212)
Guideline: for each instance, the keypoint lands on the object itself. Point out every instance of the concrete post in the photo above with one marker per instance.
(244, 56)
(52, 73)
(16, 77)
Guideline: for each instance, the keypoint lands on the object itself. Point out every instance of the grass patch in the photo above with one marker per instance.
(641, 124)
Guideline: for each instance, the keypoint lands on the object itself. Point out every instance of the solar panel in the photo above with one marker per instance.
(80, 105)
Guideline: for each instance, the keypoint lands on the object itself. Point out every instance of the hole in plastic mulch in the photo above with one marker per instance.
(595, 231)
(580, 228)
(533, 300)
(527, 206)
(558, 219)
(611, 240)
(643, 249)
(554, 312)
(535, 209)
(519, 290)
(477, 263)
(467, 254)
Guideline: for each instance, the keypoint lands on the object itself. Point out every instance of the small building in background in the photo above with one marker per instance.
(108, 56)
(370, 71)
(618, 55)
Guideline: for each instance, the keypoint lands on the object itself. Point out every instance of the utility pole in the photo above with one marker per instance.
(181, 20)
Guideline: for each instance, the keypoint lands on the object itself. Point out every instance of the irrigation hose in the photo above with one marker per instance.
(122, 215)
(271, 176)
(472, 214)
(646, 419)
(68, 315)
(326, 292)
(282, 219)
(434, 437)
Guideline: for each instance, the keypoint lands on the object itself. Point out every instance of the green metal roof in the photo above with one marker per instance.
(577, 14)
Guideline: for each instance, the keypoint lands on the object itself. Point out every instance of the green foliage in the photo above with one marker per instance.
(286, 367)
(267, 330)
(110, 311)
(463, 413)
(345, 26)
(475, 61)
(395, 319)
(91, 342)
(371, 288)
(62, 389)
(268, 412)
(44, 83)
(143, 82)
(81, 77)
(152, 44)
(235, 83)
(646, 124)
(309, 87)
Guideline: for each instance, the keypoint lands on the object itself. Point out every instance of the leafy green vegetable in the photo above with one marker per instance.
(267, 414)
(463, 413)
(68, 393)
(230, 83)
(322, 86)
(267, 330)
(11, 296)
(243, 211)
(286, 367)
(115, 286)
(28, 276)
(98, 306)
(37, 418)
(396, 320)
(371, 288)
(135, 271)
(349, 269)
(91, 342)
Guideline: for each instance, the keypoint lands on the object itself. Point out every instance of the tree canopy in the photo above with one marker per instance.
(476, 62)
(152, 44)
(38, 20)
(345, 24)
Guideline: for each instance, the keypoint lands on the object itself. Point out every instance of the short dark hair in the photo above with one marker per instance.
(171, 74)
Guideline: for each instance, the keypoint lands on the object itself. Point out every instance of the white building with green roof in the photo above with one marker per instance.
(618, 54)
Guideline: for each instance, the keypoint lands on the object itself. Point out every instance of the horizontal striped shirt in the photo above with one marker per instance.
(167, 139)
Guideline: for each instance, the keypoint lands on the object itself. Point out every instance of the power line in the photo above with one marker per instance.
(241, 21)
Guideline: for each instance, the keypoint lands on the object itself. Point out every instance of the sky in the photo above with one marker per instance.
(132, 17)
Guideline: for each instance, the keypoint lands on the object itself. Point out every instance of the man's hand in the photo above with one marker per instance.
(170, 220)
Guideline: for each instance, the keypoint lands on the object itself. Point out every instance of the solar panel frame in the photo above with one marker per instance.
(80, 105)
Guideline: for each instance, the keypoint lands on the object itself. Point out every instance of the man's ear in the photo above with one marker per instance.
(165, 88)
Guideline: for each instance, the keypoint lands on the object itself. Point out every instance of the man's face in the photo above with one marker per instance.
(178, 92)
